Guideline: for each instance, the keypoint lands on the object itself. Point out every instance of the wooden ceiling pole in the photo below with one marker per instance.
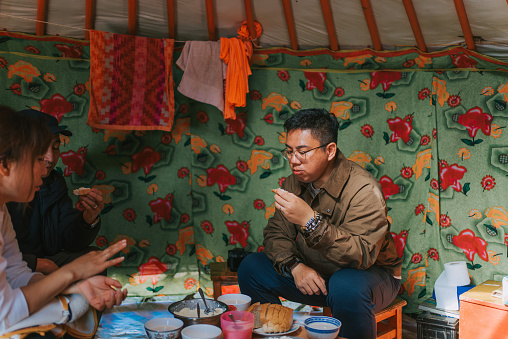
(371, 24)
(330, 26)
(290, 22)
(41, 16)
(415, 25)
(171, 18)
(210, 20)
(464, 23)
(88, 18)
(132, 17)
(250, 19)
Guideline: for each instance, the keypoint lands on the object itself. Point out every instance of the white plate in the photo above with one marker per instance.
(296, 325)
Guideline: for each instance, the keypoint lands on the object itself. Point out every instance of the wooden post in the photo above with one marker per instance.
(290, 22)
(41, 16)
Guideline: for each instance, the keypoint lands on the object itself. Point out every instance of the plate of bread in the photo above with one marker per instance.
(273, 319)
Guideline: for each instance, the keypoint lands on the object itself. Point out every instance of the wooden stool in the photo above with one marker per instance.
(388, 320)
(221, 275)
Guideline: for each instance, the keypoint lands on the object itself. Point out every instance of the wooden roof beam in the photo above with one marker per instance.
(210, 20)
(290, 23)
(41, 17)
(371, 24)
(171, 18)
(132, 16)
(250, 19)
(464, 24)
(330, 26)
(415, 25)
(89, 18)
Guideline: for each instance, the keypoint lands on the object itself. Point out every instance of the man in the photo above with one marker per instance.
(329, 242)
(50, 231)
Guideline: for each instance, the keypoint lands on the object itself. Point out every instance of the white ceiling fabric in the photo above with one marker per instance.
(438, 21)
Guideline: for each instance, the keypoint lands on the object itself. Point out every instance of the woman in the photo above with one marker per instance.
(23, 142)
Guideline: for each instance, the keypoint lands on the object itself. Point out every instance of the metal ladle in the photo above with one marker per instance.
(207, 309)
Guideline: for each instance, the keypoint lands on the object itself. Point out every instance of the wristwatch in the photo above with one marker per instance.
(292, 264)
(95, 222)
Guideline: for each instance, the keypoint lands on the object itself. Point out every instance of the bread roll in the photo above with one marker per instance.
(81, 191)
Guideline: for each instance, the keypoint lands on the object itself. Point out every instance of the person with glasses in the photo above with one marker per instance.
(329, 241)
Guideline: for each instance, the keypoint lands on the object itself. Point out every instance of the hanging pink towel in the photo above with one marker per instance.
(131, 82)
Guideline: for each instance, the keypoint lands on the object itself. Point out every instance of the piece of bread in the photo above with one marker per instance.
(256, 310)
(274, 318)
(81, 191)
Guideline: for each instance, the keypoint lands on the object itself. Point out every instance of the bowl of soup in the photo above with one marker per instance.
(163, 328)
(187, 311)
(322, 327)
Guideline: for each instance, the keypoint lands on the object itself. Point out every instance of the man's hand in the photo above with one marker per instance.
(308, 281)
(93, 203)
(45, 266)
(102, 292)
(293, 208)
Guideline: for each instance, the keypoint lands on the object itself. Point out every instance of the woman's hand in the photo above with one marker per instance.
(101, 292)
(95, 262)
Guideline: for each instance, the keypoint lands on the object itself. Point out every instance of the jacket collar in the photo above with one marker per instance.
(337, 179)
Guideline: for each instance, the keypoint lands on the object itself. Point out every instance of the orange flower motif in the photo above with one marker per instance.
(48, 77)
(415, 278)
(228, 209)
(144, 243)
(134, 279)
(379, 160)
(464, 153)
(379, 60)
(152, 269)
(203, 254)
(341, 109)
(106, 192)
(390, 106)
(270, 211)
(360, 60)
(185, 237)
(295, 105)
(475, 214)
(487, 91)
(282, 137)
(496, 131)
(152, 189)
(127, 168)
(64, 140)
(115, 133)
(305, 62)
(189, 283)
(23, 69)
(214, 148)
(274, 100)
(182, 126)
(365, 85)
(197, 143)
(259, 158)
(219, 258)
(130, 242)
(201, 180)
(259, 59)
(421, 61)
(494, 257)
(439, 88)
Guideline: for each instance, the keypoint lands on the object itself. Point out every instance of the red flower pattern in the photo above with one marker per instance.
(259, 204)
(15, 88)
(389, 188)
(416, 258)
(239, 232)
(451, 176)
(407, 172)
(207, 226)
(101, 241)
(432, 252)
(152, 270)
(475, 119)
(434, 184)
(400, 242)
(57, 106)
(454, 101)
(129, 214)
(202, 117)
(183, 172)
(424, 141)
(471, 245)
(236, 125)
(315, 80)
(367, 130)
(242, 166)
(339, 91)
(171, 249)
(423, 94)
(74, 162)
(166, 138)
(220, 176)
(386, 79)
(259, 141)
(146, 159)
(445, 221)
(268, 118)
(488, 182)
(184, 218)
(100, 175)
(283, 75)
(281, 180)
(79, 89)
(255, 95)
(70, 51)
(162, 208)
(419, 209)
(401, 128)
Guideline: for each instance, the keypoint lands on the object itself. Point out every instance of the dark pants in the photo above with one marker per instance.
(353, 295)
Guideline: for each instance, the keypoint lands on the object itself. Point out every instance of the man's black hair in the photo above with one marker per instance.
(323, 125)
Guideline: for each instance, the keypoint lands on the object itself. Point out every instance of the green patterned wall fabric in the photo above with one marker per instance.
(429, 127)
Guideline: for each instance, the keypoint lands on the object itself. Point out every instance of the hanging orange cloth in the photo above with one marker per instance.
(236, 54)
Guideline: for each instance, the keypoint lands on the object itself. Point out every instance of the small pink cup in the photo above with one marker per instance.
(240, 328)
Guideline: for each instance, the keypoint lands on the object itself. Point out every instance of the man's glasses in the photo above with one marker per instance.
(300, 155)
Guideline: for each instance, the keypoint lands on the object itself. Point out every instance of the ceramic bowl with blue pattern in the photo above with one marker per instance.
(322, 327)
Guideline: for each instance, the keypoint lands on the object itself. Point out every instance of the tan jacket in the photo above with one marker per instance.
(354, 232)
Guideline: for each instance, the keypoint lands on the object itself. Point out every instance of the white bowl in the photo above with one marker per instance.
(235, 301)
(163, 328)
(321, 327)
(201, 331)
